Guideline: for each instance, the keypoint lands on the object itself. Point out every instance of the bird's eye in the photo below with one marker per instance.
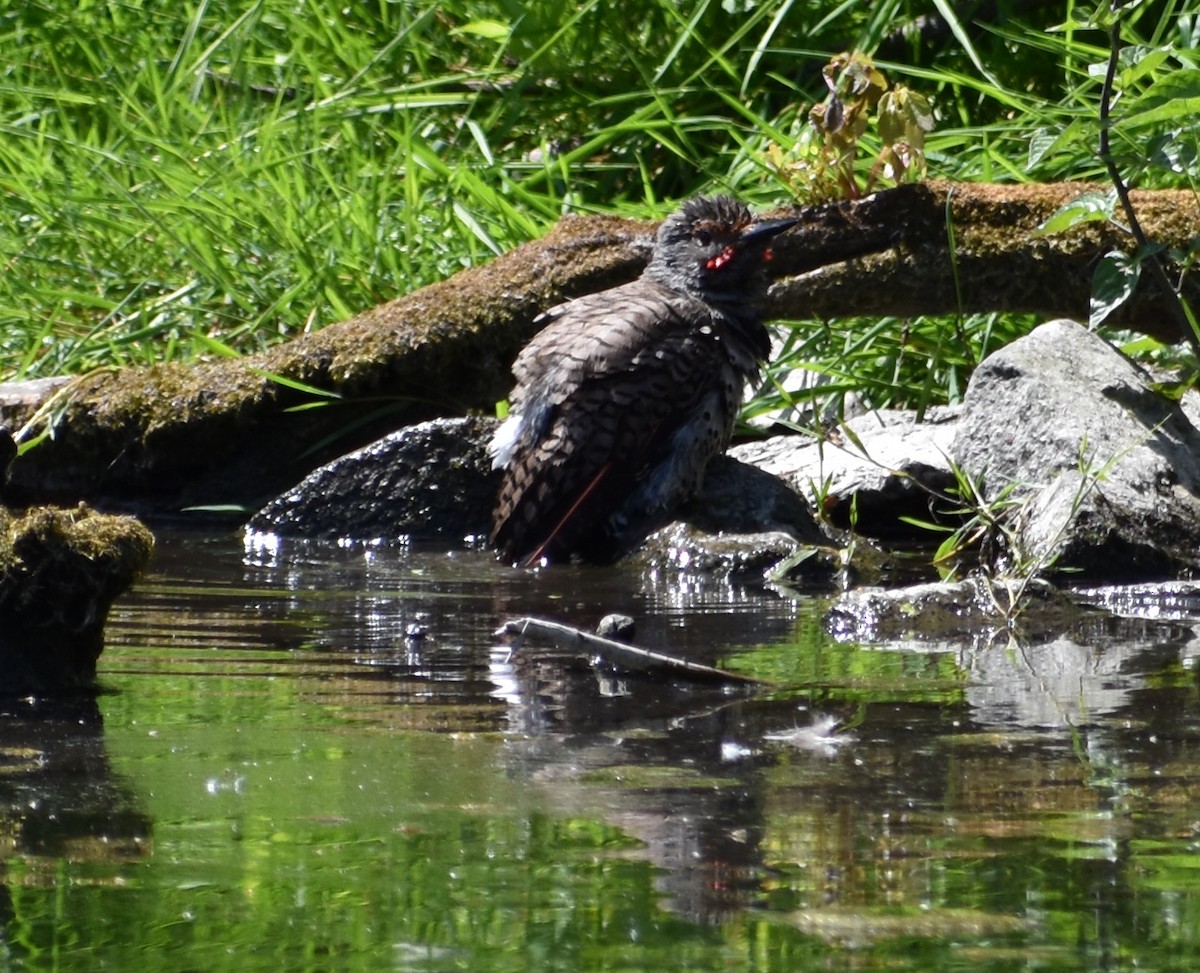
(703, 237)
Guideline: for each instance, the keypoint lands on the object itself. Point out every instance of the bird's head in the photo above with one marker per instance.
(713, 248)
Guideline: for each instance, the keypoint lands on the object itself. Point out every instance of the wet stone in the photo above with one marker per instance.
(619, 628)
(430, 480)
(682, 548)
(941, 612)
(740, 498)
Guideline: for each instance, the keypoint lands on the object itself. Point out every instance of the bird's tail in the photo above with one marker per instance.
(540, 550)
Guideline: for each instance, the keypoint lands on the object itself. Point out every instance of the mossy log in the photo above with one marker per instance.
(889, 254)
(162, 438)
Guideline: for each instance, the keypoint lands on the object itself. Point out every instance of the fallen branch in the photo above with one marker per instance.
(628, 657)
(889, 255)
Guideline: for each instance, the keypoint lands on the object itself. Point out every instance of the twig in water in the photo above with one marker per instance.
(618, 653)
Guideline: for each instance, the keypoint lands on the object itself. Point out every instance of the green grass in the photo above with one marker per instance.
(181, 180)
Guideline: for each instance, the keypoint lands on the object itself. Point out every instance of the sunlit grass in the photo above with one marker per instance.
(174, 180)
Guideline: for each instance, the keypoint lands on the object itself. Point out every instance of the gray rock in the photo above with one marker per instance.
(743, 524)
(739, 498)
(1105, 469)
(681, 548)
(885, 462)
(431, 480)
(619, 628)
(942, 614)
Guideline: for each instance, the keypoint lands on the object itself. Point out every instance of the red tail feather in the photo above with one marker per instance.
(536, 556)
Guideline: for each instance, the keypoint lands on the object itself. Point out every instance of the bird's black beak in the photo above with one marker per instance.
(764, 230)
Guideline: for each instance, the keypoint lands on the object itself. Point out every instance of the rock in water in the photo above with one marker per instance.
(1107, 466)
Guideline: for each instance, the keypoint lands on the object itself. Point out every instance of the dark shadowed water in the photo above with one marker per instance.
(322, 759)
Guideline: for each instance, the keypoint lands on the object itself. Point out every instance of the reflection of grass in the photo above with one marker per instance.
(1167, 865)
(825, 671)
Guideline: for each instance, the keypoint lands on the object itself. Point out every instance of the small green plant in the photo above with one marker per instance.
(982, 524)
(988, 540)
(822, 161)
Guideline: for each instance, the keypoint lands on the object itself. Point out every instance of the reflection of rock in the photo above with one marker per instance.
(59, 572)
(1058, 662)
(1052, 684)
(58, 796)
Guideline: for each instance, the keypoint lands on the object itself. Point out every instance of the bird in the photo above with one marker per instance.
(624, 395)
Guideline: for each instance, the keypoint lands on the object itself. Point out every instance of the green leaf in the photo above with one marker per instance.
(950, 16)
(1137, 61)
(1174, 97)
(295, 385)
(1084, 208)
(1046, 142)
(925, 524)
(904, 116)
(1040, 143)
(1174, 391)
(219, 508)
(492, 30)
(1115, 279)
(215, 345)
(1141, 346)
(949, 548)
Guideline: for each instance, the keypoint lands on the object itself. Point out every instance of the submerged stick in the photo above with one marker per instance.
(618, 653)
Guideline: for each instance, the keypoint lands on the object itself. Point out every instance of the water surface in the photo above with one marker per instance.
(321, 758)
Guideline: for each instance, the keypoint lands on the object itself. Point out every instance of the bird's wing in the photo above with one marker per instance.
(599, 334)
(602, 390)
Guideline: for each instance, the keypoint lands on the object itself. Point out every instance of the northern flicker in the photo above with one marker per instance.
(625, 395)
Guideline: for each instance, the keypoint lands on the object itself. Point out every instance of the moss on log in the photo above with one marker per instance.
(59, 573)
(889, 254)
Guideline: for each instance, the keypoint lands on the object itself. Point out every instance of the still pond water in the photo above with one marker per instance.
(322, 759)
